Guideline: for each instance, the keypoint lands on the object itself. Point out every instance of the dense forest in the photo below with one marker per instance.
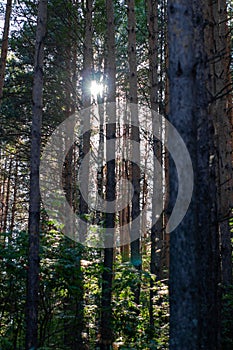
(116, 175)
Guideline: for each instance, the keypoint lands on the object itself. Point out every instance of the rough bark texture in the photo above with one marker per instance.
(194, 254)
(183, 250)
(34, 199)
(106, 310)
(4, 47)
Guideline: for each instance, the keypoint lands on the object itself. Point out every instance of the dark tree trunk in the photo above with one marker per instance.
(15, 193)
(194, 255)
(73, 305)
(184, 303)
(106, 309)
(86, 102)
(8, 188)
(34, 199)
(135, 168)
(124, 215)
(207, 229)
(219, 87)
(3, 198)
(4, 47)
(157, 241)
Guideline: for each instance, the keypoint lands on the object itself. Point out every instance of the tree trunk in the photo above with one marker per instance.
(8, 188)
(194, 255)
(34, 196)
(157, 241)
(86, 102)
(3, 199)
(73, 306)
(219, 87)
(207, 232)
(15, 193)
(124, 215)
(106, 310)
(135, 168)
(4, 48)
(184, 303)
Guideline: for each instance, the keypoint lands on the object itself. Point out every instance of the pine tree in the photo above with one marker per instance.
(4, 48)
(106, 308)
(34, 200)
(194, 255)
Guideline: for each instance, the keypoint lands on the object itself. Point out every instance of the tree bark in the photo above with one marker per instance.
(15, 194)
(106, 309)
(135, 168)
(8, 189)
(73, 305)
(219, 87)
(4, 47)
(183, 246)
(194, 255)
(34, 196)
(156, 230)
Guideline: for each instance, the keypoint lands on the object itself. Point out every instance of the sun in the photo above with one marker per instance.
(96, 88)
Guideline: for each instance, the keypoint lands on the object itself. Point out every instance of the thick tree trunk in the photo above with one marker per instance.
(194, 255)
(183, 246)
(34, 197)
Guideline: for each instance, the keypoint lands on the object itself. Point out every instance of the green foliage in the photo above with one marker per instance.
(131, 321)
(227, 319)
(12, 293)
(70, 272)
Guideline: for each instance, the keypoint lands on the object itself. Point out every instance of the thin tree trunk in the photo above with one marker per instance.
(86, 102)
(166, 161)
(8, 187)
(3, 198)
(15, 192)
(133, 99)
(73, 306)
(156, 230)
(124, 215)
(34, 196)
(4, 48)
(219, 87)
(106, 309)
